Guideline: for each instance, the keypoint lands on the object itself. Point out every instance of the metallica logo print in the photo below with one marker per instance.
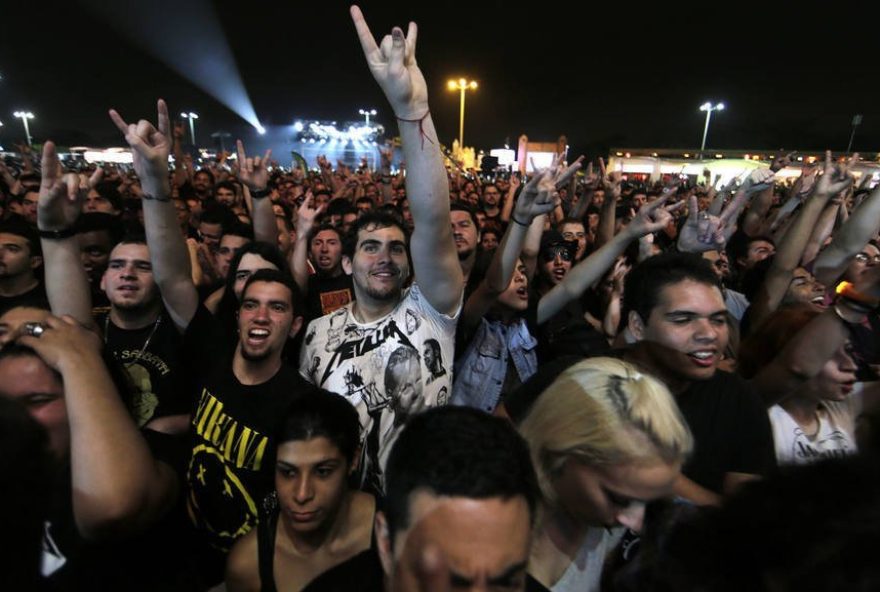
(388, 369)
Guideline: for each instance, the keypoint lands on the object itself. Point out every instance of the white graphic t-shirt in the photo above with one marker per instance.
(834, 439)
(389, 369)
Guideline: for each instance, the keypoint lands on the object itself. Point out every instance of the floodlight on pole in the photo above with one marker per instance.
(24, 116)
(192, 126)
(366, 113)
(708, 108)
(461, 85)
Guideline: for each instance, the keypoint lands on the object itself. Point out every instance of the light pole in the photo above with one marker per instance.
(708, 108)
(366, 113)
(24, 116)
(192, 126)
(461, 85)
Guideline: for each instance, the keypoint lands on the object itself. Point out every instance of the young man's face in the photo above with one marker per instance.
(380, 266)
(485, 542)
(128, 280)
(225, 195)
(554, 263)
(491, 195)
(687, 330)
(465, 233)
(758, 251)
(266, 320)
(15, 256)
(326, 251)
(575, 231)
(95, 202)
(94, 250)
(229, 246)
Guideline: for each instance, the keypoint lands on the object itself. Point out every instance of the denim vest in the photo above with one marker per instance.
(480, 372)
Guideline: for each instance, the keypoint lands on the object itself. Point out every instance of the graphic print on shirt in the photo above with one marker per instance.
(832, 445)
(219, 503)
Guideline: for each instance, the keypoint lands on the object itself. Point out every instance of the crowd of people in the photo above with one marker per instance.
(255, 377)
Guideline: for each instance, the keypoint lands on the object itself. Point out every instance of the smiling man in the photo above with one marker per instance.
(369, 350)
(677, 313)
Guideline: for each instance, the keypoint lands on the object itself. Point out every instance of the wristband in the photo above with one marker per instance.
(149, 197)
(421, 122)
(515, 221)
(260, 193)
(57, 234)
(847, 291)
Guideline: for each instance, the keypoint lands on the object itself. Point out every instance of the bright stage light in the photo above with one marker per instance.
(260, 129)
(298, 126)
(191, 42)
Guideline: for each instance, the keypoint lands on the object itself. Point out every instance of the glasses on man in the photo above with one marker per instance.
(865, 258)
(551, 253)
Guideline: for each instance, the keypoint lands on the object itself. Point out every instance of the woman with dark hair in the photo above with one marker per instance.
(800, 361)
(314, 533)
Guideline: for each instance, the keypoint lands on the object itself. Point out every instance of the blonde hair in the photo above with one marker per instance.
(602, 411)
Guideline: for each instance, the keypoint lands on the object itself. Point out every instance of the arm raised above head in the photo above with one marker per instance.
(394, 67)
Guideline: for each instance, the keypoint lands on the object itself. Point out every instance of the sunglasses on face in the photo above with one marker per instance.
(553, 252)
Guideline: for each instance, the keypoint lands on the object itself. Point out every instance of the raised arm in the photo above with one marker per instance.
(61, 199)
(537, 198)
(306, 216)
(805, 354)
(651, 217)
(393, 65)
(254, 175)
(118, 487)
(168, 252)
(791, 249)
(852, 237)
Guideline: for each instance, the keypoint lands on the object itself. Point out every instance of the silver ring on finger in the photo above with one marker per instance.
(34, 329)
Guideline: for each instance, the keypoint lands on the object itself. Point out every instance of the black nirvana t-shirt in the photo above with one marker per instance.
(232, 436)
(151, 358)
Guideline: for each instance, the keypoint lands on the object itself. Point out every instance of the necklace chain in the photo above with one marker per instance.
(143, 349)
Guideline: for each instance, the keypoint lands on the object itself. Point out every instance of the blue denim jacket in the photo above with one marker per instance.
(480, 372)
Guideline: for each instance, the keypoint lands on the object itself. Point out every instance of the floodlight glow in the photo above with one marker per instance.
(260, 129)
(192, 43)
(298, 126)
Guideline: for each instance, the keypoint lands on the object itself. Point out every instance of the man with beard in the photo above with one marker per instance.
(351, 350)
(466, 233)
(238, 395)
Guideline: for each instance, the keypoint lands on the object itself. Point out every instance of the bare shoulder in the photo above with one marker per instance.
(242, 566)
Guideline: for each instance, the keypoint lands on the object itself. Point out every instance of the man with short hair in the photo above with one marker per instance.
(466, 233)
(490, 202)
(239, 395)
(20, 257)
(462, 493)
(351, 350)
(676, 312)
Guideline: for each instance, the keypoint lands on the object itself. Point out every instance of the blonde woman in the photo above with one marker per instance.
(605, 440)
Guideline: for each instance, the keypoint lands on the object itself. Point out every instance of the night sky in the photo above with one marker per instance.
(604, 75)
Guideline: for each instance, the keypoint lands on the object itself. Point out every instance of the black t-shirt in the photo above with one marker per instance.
(156, 559)
(726, 416)
(326, 294)
(565, 333)
(151, 358)
(731, 430)
(35, 297)
(232, 436)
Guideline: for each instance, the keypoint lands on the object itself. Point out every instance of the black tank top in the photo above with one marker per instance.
(361, 572)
